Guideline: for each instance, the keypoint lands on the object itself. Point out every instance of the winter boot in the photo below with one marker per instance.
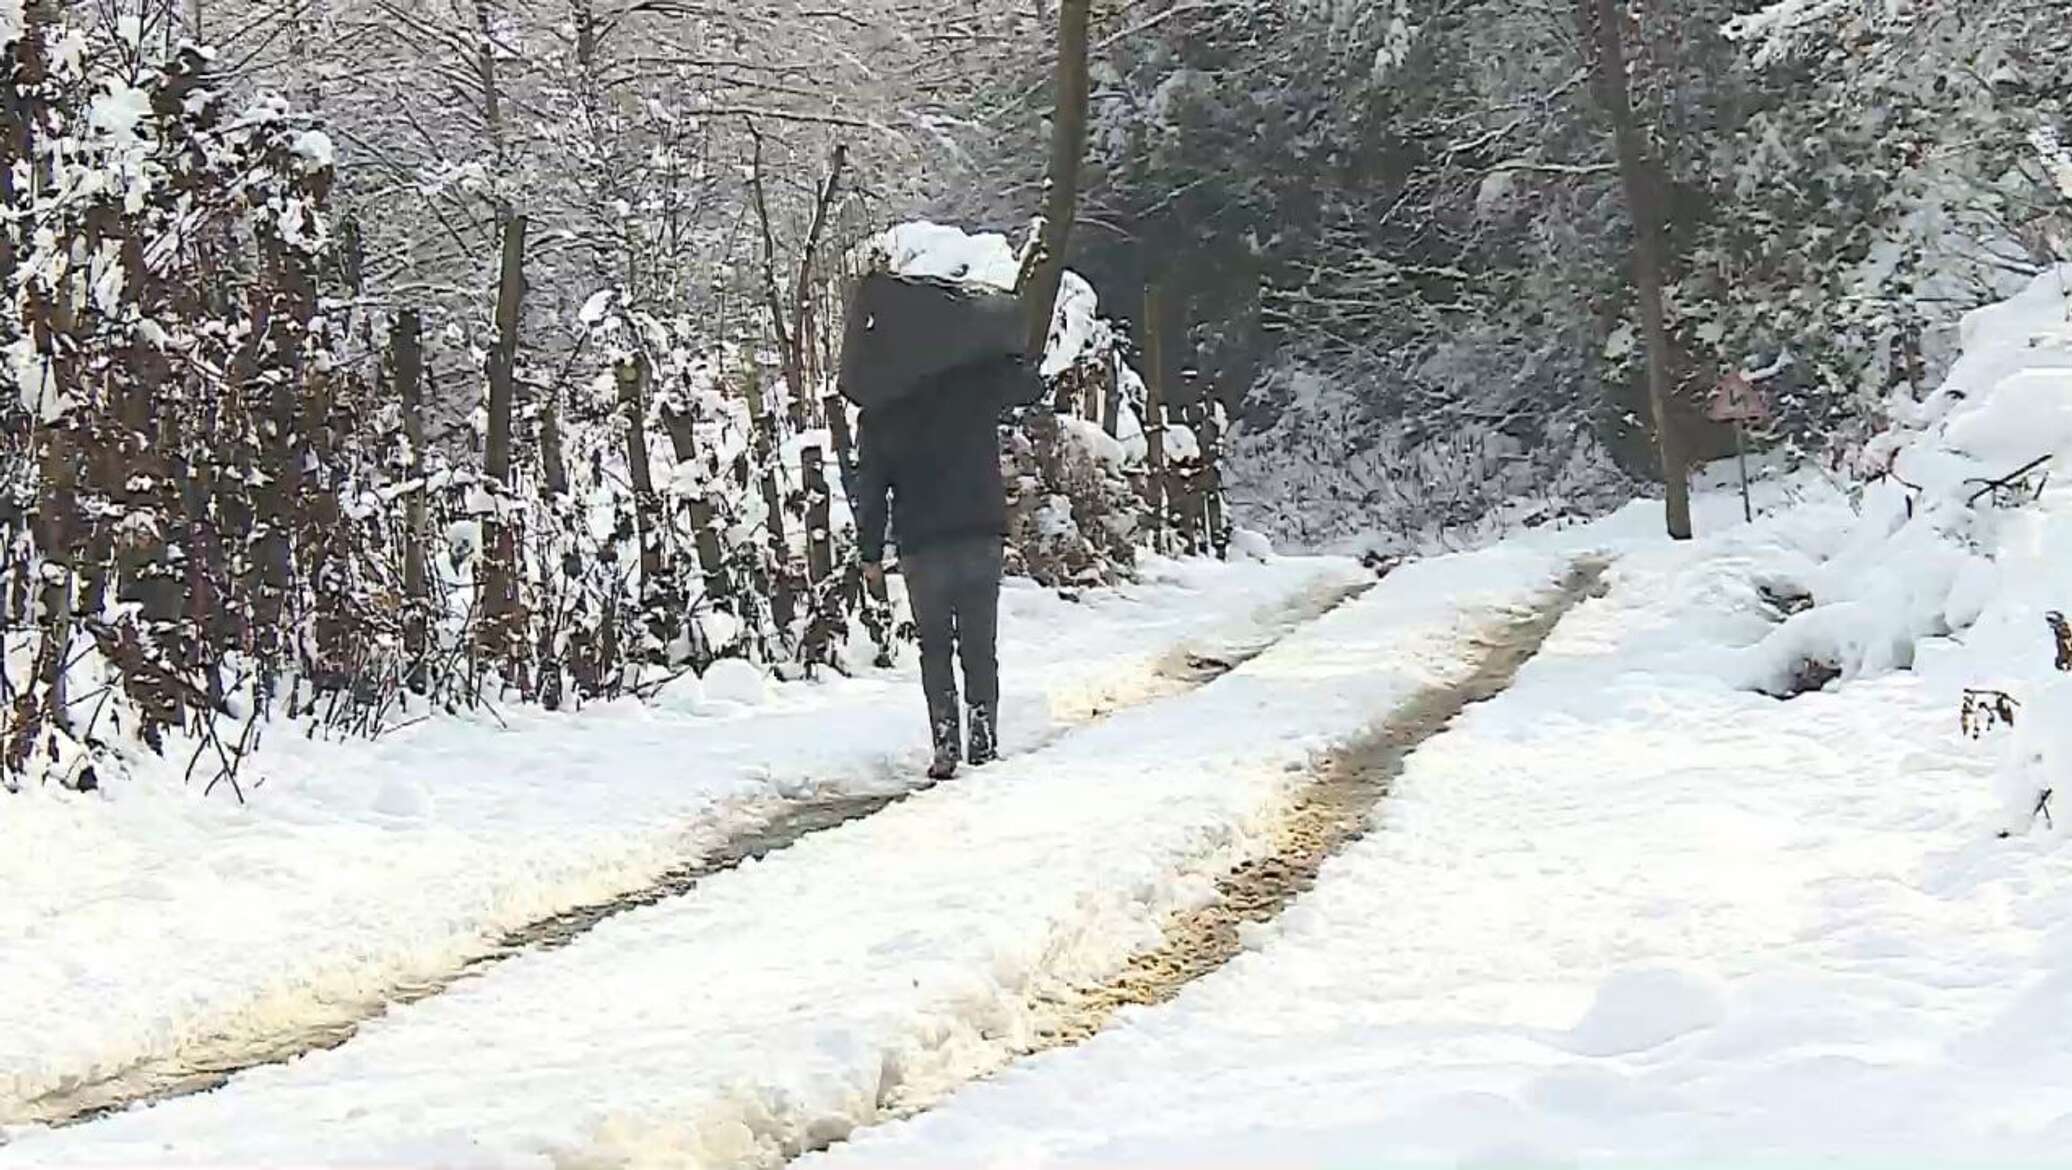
(946, 748)
(985, 735)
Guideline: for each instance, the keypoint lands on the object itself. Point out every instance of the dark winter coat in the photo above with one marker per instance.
(936, 454)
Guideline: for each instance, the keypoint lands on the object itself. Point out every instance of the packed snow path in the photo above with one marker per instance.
(206, 935)
(766, 827)
(789, 1001)
(1329, 813)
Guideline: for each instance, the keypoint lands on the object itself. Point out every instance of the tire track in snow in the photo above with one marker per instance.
(1326, 814)
(773, 826)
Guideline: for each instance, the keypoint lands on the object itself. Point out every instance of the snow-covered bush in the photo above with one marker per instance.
(225, 503)
(1073, 515)
(1963, 531)
(182, 540)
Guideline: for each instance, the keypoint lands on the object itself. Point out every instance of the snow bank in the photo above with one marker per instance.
(788, 1002)
(361, 867)
(1930, 553)
(735, 680)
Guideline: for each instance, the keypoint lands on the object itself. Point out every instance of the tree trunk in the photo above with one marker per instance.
(492, 99)
(56, 519)
(773, 297)
(683, 441)
(705, 536)
(1641, 175)
(503, 359)
(1111, 410)
(1067, 149)
(1189, 511)
(798, 358)
(500, 594)
(553, 463)
(836, 410)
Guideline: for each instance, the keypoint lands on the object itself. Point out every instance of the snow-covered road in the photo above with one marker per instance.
(146, 932)
(891, 959)
(1627, 914)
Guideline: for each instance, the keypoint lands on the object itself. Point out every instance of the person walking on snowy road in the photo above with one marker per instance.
(930, 463)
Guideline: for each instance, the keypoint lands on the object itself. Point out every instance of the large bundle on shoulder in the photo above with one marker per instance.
(905, 332)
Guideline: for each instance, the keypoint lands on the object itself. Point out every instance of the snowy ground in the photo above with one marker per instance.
(1638, 910)
(786, 1002)
(144, 921)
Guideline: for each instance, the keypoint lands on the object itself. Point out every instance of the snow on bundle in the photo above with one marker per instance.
(905, 331)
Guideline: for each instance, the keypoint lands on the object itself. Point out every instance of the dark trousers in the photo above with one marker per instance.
(954, 591)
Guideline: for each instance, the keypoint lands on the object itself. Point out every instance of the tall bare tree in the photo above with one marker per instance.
(1067, 151)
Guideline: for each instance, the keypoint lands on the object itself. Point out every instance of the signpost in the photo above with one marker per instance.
(1737, 400)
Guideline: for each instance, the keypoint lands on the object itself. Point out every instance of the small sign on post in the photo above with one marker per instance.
(1737, 400)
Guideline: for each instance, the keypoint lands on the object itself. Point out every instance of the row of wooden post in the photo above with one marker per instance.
(1184, 497)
